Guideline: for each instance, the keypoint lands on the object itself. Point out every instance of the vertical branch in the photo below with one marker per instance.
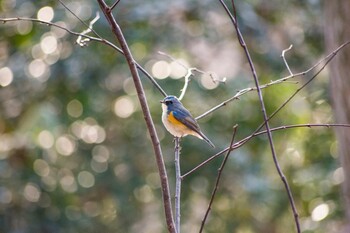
(267, 126)
(146, 112)
(177, 185)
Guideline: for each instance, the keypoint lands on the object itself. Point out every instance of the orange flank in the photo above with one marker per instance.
(175, 121)
(181, 127)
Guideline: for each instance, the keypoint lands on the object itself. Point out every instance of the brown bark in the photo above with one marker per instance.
(337, 31)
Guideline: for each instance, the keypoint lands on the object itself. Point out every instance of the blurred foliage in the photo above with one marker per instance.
(74, 150)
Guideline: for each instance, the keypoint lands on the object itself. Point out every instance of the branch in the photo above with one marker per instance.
(218, 179)
(244, 140)
(78, 34)
(267, 126)
(284, 59)
(146, 112)
(113, 6)
(177, 185)
(326, 60)
(190, 73)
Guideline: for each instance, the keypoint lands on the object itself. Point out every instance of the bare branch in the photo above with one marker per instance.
(100, 40)
(244, 140)
(187, 80)
(113, 6)
(146, 112)
(83, 42)
(77, 17)
(326, 60)
(178, 180)
(284, 59)
(189, 73)
(218, 179)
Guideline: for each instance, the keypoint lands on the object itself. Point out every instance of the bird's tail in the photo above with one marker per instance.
(207, 140)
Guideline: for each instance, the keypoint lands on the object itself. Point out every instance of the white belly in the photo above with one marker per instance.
(175, 131)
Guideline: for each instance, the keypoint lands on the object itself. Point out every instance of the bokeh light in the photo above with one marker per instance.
(67, 180)
(124, 107)
(32, 192)
(6, 76)
(178, 69)
(86, 179)
(45, 139)
(48, 44)
(37, 69)
(320, 212)
(41, 167)
(161, 69)
(65, 145)
(75, 108)
(46, 13)
(207, 81)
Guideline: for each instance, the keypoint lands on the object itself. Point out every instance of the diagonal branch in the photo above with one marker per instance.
(96, 39)
(218, 179)
(245, 140)
(326, 60)
(146, 112)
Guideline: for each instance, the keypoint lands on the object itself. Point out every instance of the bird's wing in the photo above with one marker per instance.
(186, 118)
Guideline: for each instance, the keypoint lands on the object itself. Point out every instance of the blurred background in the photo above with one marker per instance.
(75, 155)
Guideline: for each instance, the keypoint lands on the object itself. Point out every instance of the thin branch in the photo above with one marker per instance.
(244, 140)
(113, 6)
(236, 97)
(284, 59)
(278, 81)
(100, 40)
(177, 185)
(77, 17)
(187, 80)
(83, 42)
(218, 179)
(267, 126)
(146, 112)
(189, 73)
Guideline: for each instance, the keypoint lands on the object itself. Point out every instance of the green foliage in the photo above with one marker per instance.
(74, 150)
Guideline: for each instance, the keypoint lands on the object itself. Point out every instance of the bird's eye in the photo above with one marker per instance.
(168, 102)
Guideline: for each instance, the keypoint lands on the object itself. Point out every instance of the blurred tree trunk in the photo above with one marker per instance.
(337, 31)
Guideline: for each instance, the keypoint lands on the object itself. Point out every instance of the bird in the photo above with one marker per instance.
(179, 121)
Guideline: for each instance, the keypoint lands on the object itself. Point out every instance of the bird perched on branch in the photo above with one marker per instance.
(179, 121)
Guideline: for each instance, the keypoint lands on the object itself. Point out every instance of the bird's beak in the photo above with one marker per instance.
(161, 101)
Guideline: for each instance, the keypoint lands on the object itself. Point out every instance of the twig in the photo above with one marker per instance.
(190, 73)
(278, 81)
(284, 59)
(218, 179)
(100, 40)
(114, 5)
(244, 140)
(177, 185)
(146, 112)
(83, 42)
(187, 80)
(82, 21)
